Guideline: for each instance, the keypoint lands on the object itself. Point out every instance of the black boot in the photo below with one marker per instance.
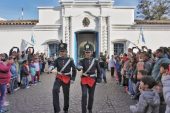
(90, 111)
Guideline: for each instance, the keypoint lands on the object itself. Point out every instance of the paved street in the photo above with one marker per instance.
(109, 98)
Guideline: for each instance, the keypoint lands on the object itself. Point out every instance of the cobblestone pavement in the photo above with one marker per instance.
(109, 98)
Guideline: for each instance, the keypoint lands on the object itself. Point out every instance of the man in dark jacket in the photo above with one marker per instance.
(89, 78)
(64, 76)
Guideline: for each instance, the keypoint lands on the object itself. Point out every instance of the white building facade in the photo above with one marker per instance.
(105, 26)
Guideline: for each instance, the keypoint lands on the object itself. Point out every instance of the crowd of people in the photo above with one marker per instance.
(20, 70)
(145, 76)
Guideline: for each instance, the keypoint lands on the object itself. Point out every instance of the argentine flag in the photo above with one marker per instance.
(141, 36)
(32, 40)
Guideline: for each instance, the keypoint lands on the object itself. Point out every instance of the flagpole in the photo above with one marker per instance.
(133, 44)
(22, 13)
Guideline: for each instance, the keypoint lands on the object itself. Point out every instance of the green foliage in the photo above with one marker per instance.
(153, 9)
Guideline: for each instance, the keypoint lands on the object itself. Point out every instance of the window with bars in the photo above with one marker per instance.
(118, 48)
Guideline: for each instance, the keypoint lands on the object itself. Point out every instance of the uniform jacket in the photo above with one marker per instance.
(61, 61)
(85, 63)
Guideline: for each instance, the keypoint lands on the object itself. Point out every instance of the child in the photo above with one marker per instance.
(149, 100)
(37, 68)
(165, 72)
(14, 75)
(139, 76)
(25, 74)
(32, 71)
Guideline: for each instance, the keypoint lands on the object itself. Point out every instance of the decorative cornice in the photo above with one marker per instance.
(18, 22)
(153, 22)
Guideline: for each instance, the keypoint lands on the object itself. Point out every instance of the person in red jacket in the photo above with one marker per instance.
(5, 76)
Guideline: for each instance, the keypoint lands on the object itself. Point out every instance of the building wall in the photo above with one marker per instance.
(155, 36)
(119, 15)
(12, 36)
(49, 16)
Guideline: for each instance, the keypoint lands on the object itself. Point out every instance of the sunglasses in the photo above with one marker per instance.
(61, 51)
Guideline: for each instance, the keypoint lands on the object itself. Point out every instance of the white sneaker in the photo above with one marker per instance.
(17, 89)
(6, 103)
(28, 87)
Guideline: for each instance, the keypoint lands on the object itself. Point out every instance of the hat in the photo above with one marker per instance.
(88, 47)
(62, 46)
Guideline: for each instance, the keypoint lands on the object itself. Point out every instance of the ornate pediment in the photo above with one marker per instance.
(87, 14)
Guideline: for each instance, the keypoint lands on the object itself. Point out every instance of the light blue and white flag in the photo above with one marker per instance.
(32, 40)
(141, 36)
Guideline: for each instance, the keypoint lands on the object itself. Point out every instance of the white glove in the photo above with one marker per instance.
(72, 81)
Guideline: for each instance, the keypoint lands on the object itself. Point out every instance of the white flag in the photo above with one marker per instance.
(23, 45)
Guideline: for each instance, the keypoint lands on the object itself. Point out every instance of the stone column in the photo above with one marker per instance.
(109, 43)
(71, 36)
(67, 33)
(104, 35)
(100, 34)
(63, 24)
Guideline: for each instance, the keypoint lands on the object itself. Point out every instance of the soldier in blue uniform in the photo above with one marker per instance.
(64, 77)
(89, 66)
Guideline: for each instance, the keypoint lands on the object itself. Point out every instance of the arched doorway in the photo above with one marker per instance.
(81, 39)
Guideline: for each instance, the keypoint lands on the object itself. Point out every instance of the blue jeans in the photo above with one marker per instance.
(2, 96)
(25, 81)
(130, 87)
(103, 73)
(13, 84)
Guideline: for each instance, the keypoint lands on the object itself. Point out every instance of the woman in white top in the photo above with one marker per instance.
(112, 65)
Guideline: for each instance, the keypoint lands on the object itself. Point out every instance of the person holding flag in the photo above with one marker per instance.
(64, 77)
(89, 66)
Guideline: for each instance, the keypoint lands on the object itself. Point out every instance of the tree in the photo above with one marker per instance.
(153, 9)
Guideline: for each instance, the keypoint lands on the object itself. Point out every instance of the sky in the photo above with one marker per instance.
(11, 9)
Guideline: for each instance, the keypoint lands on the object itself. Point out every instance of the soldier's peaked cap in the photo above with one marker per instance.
(62, 46)
(88, 47)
